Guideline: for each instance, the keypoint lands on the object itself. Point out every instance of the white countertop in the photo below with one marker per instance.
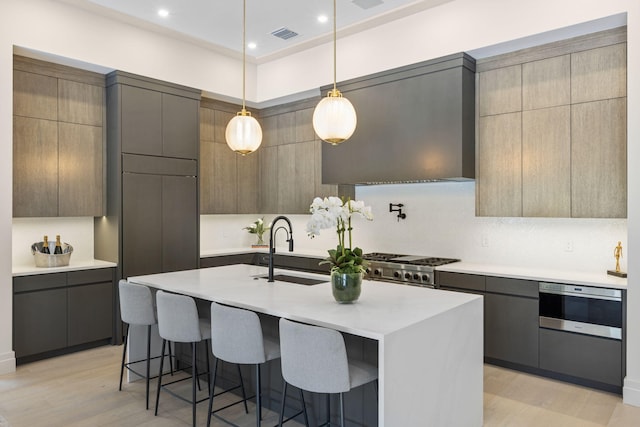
(539, 274)
(428, 340)
(29, 270)
(382, 309)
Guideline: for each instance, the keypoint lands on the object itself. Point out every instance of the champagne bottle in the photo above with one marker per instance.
(45, 245)
(58, 249)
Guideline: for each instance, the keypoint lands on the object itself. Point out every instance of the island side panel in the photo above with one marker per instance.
(431, 374)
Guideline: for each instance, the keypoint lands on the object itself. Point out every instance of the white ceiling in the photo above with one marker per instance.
(218, 23)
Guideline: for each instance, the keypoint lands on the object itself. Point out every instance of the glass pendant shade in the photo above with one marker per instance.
(243, 134)
(334, 119)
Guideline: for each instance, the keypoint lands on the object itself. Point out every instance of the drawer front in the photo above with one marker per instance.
(83, 277)
(472, 282)
(502, 285)
(39, 282)
(582, 356)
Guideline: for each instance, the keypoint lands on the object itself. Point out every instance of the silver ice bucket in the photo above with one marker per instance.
(51, 260)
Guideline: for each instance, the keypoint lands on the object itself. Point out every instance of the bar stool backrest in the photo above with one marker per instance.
(136, 304)
(178, 318)
(236, 335)
(313, 358)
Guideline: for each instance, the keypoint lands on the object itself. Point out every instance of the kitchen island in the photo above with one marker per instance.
(429, 342)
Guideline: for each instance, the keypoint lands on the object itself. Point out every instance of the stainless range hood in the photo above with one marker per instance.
(415, 124)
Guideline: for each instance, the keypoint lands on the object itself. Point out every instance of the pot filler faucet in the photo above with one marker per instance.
(272, 234)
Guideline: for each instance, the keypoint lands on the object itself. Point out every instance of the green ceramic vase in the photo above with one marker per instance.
(346, 287)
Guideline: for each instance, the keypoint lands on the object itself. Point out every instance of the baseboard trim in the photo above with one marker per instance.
(7, 362)
(631, 392)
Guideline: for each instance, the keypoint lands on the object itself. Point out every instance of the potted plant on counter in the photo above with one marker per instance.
(347, 265)
(258, 228)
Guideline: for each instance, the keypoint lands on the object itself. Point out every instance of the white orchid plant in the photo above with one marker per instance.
(334, 212)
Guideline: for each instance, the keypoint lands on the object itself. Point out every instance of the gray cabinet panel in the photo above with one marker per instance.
(471, 282)
(83, 277)
(179, 223)
(90, 313)
(141, 115)
(142, 224)
(39, 282)
(503, 285)
(511, 329)
(221, 260)
(583, 356)
(180, 126)
(424, 115)
(39, 321)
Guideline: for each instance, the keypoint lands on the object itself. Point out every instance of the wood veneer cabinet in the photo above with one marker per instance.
(58, 140)
(282, 176)
(228, 181)
(572, 130)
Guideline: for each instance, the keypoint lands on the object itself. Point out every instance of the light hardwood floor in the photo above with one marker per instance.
(81, 389)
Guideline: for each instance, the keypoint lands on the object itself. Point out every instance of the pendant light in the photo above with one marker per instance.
(243, 133)
(334, 119)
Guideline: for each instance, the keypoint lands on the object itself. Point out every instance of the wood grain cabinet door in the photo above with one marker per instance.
(141, 117)
(180, 221)
(180, 126)
(35, 167)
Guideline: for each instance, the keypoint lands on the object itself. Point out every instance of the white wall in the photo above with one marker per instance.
(460, 25)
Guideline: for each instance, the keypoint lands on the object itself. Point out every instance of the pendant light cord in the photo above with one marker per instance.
(244, 51)
(334, 46)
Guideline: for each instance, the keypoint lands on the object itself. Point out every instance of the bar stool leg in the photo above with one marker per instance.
(212, 390)
(196, 379)
(341, 409)
(148, 361)
(124, 352)
(284, 398)
(328, 409)
(258, 396)
(164, 343)
(244, 393)
(304, 408)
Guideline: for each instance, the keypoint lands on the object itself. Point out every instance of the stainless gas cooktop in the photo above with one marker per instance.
(406, 269)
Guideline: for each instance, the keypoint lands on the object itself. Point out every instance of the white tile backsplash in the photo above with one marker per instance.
(440, 221)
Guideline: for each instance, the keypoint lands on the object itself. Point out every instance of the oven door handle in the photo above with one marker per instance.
(581, 291)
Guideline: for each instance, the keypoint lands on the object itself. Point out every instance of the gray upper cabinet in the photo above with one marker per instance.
(58, 141)
(570, 127)
(415, 123)
(152, 224)
(141, 121)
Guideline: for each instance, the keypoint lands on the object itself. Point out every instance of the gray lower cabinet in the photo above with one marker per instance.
(222, 260)
(582, 356)
(59, 312)
(511, 321)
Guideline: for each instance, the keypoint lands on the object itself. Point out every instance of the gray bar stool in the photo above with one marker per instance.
(315, 359)
(236, 337)
(136, 308)
(178, 321)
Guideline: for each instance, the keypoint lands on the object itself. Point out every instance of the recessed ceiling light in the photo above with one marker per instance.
(252, 45)
(322, 19)
(163, 13)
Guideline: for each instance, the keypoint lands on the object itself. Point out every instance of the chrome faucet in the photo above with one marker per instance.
(272, 246)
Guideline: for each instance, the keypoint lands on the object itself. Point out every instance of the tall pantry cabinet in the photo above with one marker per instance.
(152, 222)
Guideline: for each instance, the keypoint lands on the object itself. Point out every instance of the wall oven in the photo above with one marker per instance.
(581, 309)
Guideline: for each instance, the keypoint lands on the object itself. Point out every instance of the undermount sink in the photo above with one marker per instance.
(307, 281)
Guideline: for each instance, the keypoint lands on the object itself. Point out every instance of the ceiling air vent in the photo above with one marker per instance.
(284, 33)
